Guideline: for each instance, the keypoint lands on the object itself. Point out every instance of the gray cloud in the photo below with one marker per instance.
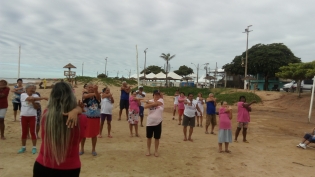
(54, 33)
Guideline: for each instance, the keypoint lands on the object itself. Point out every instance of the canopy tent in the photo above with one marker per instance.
(192, 76)
(174, 76)
(150, 76)
(160, 75)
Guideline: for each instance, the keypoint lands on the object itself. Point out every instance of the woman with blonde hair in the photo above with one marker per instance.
(59, 152)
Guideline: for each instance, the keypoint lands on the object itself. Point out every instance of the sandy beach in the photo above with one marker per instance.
(277, 126)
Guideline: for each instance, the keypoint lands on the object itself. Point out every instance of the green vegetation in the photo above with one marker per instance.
(105, 81)
(231, 96)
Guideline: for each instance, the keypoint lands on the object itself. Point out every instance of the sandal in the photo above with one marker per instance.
(110, 136)
(99, 136)
(94, 153)
(227, 151)
(81, 153)
(221, 151)
(213, 133)
(246, 141)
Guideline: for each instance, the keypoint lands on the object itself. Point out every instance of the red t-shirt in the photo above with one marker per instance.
(72, 160)
(4, 100)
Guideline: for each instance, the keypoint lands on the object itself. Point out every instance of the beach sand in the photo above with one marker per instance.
(277, 126)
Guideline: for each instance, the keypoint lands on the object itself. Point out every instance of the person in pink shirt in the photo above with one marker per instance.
(181, 106)
(225, 133)
(133, 117)
(59, 151)
(243, 117)
(154, 121)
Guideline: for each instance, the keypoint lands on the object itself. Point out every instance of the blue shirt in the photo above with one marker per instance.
(210, 107)
(124, 95)
(92, 107)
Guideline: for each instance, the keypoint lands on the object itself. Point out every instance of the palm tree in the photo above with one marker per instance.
(167, 58)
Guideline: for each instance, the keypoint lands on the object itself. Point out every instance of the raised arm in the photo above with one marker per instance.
(246, 105)
(97, 94)
(152, 104)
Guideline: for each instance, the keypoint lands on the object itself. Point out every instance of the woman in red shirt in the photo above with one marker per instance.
(4, 92)
(59, 151)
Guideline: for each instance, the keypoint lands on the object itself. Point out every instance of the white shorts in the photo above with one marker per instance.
(2, 113)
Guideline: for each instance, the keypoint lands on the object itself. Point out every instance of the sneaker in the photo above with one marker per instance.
(34, 151)
(302, 146)
(22, 150)
(298, 145)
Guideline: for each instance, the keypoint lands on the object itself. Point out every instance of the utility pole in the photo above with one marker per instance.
(105, 65)
(215, 75)
(145, 62)
(206, 68)
(247, 32)
(19, 61)
(82, 68)
(197, 67)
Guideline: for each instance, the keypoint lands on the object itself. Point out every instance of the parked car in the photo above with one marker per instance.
(306, 84)
(287, 87)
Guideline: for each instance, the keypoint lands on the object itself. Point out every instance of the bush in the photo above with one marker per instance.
(222, 94)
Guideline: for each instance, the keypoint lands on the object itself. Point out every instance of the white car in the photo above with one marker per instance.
(287, 87)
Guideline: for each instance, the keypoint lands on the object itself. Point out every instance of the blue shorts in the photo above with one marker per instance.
(141, 110)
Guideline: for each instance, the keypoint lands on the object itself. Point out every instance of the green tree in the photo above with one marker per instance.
(263, 59)
(297, 72)
(167, 58)
(153, 69)
(101, 76)
(184, 71)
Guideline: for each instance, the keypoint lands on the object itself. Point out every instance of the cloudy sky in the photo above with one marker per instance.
(53, 33)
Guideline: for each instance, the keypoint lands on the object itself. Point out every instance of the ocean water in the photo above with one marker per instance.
(25, 81)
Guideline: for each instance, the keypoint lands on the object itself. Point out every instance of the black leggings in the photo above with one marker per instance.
(41, 171)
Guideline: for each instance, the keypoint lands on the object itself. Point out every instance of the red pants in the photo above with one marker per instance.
(28, 121)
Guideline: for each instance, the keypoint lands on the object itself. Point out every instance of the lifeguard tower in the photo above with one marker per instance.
(70, 75)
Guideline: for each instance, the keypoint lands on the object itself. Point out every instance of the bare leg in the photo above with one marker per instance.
(237, 132)
(179, 119)
(212, 128)
(201, 121)
(14, 113)
(197, 121)
(82, 145)
(136, 129)
(141, 120)
(148, 146)
(37, 130)
(226, 147)
(94, 140)
(109, 127)
(244, 134)
(185, 133)
(156, 143)
(2, 127)
(191, 130)
(101, 128)
(207, 128)
(120, 112)
(130, 128)
(220, 147)
(127, 114)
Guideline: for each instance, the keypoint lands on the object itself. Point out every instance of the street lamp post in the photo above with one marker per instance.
(197, 67)
(206, 68)
(247, 32)
(145, 61)
(105, 65)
